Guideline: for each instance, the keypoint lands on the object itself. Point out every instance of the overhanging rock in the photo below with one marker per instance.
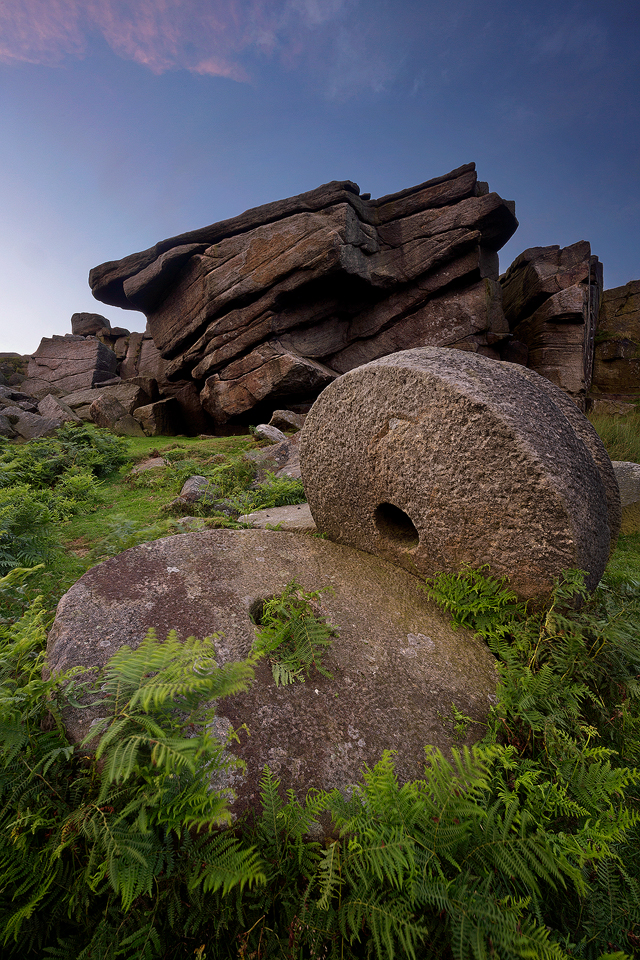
(265, 308)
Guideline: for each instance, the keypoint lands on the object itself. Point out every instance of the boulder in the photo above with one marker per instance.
(108, 412)
(438, 459)
(57, 409)
(287, 420)
(628, 477)
(616, 370)
(161, 418)
(397, 665)
(6, 427)
(551, 298)
(29, 425)
(72, 363)
(295, 519)
(88, 324)
(272, 303)
(282, 458)
(130, 395)
(264, 431)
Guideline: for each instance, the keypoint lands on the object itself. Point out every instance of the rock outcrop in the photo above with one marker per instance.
(62, 365)
(551, 298)
(616, 371)
(397, 665)
(436, 459)
(273, 304)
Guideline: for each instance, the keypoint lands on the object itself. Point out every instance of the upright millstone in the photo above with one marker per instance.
(436, 459)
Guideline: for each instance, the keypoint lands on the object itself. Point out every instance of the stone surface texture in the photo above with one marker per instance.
(287, 420)
(295, 518)
(108, 412)
(56, 409)
(397, 664)
(265, 431)
(628, 477)
(72, 363)
(435, 459)
(88, 324)
(616, 370)
(273, 304)
(551, 299)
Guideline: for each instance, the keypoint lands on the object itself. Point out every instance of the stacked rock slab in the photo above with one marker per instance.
(616, 370)
(436, 459)
(62, 365)
(273, 304)
(551, 298)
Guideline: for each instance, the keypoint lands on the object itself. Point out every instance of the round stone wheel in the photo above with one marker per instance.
(436, 459)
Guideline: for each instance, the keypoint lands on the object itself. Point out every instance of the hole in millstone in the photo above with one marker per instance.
(256, 610)
(394, 524)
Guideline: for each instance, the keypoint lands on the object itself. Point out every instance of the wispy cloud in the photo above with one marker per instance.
(211, 37)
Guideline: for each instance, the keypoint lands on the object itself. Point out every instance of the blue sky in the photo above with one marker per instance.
(122, 123)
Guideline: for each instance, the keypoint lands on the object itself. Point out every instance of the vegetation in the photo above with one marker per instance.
(293, 635)
(525, 845)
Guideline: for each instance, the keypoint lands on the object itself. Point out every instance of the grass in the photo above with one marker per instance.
(133, 510)
(620, 435)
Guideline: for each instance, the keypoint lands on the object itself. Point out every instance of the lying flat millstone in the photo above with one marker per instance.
(436, 459)
(397, 664)
(296, 518)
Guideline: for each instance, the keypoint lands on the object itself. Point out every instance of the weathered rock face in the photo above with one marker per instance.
(616, 371)
(108, 412)
(88, 324)
(628, 477)
(70, 363)
(273, 303)
(397, 665)
(435, 459)
(551, 297)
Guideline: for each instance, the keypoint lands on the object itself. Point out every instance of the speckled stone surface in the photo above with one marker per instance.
(435, 458)
(397, 664)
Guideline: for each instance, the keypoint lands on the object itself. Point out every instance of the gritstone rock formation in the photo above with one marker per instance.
(616, 370)
(435, 459)
(396, 663)
(275, 303)
(551, 298)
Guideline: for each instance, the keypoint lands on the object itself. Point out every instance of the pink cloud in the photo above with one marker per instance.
(207, 37)
(160, 34)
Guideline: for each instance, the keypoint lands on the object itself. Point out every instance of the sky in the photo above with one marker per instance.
(123, 123)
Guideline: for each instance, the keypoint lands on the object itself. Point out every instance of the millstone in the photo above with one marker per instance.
(397, 664)
(435, 459)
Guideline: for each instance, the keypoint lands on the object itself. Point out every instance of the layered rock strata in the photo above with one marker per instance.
(436, 459)
(62, 365)
(273, 304)
(616, 371)
(551, 298)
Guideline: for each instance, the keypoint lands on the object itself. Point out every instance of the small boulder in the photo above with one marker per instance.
(108, 412)
(88, 324)
(295, 519)
(57, 409)
(159, 419)
(264, 431)
(29, 425)
(287, 420)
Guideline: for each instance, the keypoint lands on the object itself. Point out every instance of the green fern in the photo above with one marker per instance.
(293, 636)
